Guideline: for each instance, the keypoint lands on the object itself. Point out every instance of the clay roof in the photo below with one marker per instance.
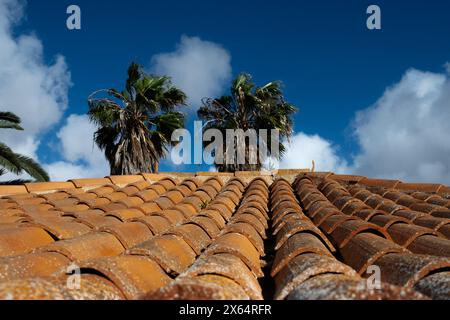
(290, 234)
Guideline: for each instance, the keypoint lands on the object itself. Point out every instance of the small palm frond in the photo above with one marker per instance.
(8, 159)
(171, 98)
(250, 107)
(106, 138)
(14, 182)
(32, 168)
(9, 120)
(103, 112)
(166, 123)
(135, 125)
(17, 163)
(134, 74)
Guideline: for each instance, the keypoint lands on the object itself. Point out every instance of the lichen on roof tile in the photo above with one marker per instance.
(213, 235)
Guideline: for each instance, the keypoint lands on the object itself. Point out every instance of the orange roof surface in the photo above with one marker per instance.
(290, 234)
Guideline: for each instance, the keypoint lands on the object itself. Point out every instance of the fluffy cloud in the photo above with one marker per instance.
(34, 90)
(38, 93)
(406, 133)
(304, 148)
(200, 68)
(82, 158)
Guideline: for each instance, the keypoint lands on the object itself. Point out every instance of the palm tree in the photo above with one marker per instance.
(249, 107)
(14, 162)
(136, 124)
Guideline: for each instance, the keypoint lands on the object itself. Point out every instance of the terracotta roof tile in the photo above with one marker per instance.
(15, 240)
(133, 275)
(128, 233)
(197, 238)
(38, 289)
(364, 249)
(211, 236)
(305, 266)
(204, 287)
(425, 187)
(125, 214)
(48, 186)
(436, 286)
(93, 287)
(156, 224)
(230, 266)
(152, 177)
(249, 232)
(10, 190)
(93, 218)
(427, 244)
(88, 246)
(124, 180)
(331, 286)
(171, 252)
(215, 216)
(404, 234)
(23, 266)
(208, 224)
(444, 230)
(214, 174)
(80, 183)
(59, 227)
(296, 245)
(405, 269)
(238, 245)
(380, 182)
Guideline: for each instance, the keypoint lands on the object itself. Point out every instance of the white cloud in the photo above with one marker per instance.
(200, 68)
(32, 89)
(38, 93)
(62, 171)
(82, 158)
(406, 134)
(447, 67)
(304, 148)
(77, 142)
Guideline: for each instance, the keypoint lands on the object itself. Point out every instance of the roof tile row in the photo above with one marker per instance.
(206, 237)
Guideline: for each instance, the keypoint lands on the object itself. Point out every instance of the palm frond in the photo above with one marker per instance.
(9, 120)
(134, 74)
(14, 182)
(166, 123)
(32, 168)
(17, 163)
(104, 112)
(136, 135)
(8, 159)
(250, 107)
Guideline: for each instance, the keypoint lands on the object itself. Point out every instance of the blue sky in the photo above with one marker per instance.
(331, 65)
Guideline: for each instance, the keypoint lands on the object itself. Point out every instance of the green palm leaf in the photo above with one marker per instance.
(250, 107)
(135, 125)
(14, 162)
(32, 168)
(9, 120)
